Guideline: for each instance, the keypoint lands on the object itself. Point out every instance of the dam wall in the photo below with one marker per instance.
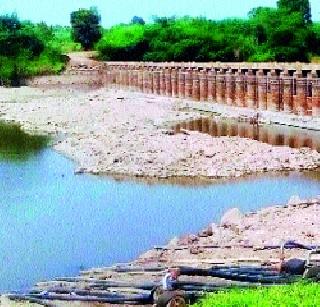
(283, 87)
(292, 88)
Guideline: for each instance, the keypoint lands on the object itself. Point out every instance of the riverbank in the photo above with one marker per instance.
(249, 238)
(113, 132)
(245, 239)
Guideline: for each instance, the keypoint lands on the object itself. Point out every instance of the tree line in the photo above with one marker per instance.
(284, 33)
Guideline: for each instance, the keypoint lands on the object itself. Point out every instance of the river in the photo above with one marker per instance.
(54, 223)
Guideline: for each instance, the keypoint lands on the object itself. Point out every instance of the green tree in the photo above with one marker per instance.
(137, 20)
(302, 6)
(86, 28)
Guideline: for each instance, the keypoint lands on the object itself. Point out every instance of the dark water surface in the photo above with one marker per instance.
(270, 134)
(54, 223)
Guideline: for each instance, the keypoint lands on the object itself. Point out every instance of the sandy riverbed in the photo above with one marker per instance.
(121, 133)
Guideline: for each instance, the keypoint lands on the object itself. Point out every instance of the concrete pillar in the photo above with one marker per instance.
(310, 79)
(126, 76)
(168, 82)
(162, 81)
(287, 91)
(130, 76)
(108, 77)
(239, 89)
(117, 72)
(145, 80)
(300, 99)
(220, 88)
(188, 84)
(273, 96)
(251, 89)
(195, 86)
(262, 90)
(181, 82)
(135, 78)
(212, 89)
(203, 85)
(174, 83)
(140, 79)
(316, 97)
(230, 87)
(156, 82)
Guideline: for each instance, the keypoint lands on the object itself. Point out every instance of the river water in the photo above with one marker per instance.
(54, 223)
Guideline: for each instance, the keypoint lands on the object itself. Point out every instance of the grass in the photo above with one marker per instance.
(299, 294)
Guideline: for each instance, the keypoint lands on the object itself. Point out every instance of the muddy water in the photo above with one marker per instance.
(54, 223)
(271, 134)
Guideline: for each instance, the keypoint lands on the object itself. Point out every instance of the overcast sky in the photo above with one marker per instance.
(121, 11)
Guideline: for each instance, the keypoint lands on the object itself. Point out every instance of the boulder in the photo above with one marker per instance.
(232, 217)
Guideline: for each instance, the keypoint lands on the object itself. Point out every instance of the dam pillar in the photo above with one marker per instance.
(300, 99)
(126, 76)
(251, 89)
(140, 79)
(162, 81)
(230, 87)
(150, 80)
(130, 83)
(316, 97)
(188, 84)
(195, 86)
(168, 72)
(262, 90)
(239, 89)
(181, 82)
(145, 80)
(287, 91)
(273, 95)
(174, 83)
(312, 76)
(156, 82)
(203, 79)
(212, 85)
(220, 87)
(135, 78)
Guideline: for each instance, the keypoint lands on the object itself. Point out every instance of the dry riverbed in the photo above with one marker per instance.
(122, 133)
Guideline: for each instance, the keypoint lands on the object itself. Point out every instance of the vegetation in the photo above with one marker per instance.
(27, 49)
(284, 33)
(17, 145)
(300, 294)
(86, 28)
(63, 40)
(302, 6)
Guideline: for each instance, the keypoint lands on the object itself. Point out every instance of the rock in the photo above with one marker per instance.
(232, 217)
(294, 200)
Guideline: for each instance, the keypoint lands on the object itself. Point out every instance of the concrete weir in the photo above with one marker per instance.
(283, 87)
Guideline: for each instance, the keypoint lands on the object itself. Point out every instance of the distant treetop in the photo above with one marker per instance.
(302, 6)
(86, 28)
(137, 20)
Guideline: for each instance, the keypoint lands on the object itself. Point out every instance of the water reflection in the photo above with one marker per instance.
(16, 145)
(274, 135)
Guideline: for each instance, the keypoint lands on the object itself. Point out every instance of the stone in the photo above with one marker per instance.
(294, 200)
(232, 217)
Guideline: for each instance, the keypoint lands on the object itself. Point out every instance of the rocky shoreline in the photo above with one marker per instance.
(238, 239)
(249, 238)
(119, 133)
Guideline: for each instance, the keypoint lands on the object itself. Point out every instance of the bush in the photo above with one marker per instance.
(299, 294)
(26, 50)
